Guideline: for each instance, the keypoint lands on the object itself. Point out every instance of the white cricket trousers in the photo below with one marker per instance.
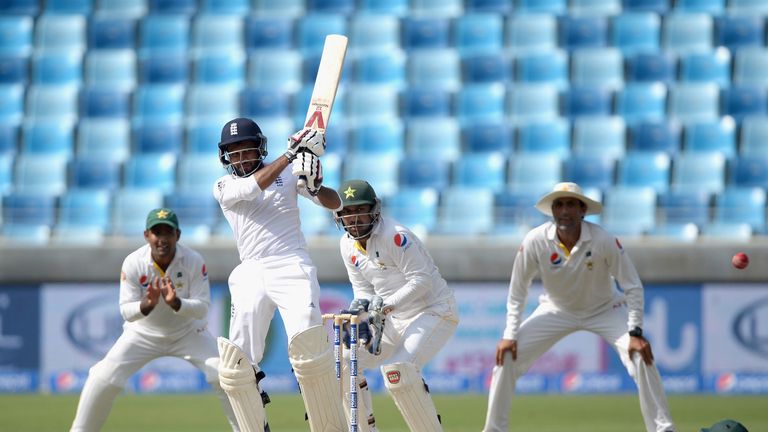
(542, 330)
(259, 287)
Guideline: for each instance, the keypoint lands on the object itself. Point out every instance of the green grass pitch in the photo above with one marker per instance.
(461, 413)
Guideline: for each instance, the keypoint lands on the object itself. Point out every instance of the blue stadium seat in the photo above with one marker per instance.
(202, 136)
(686, 33)
(712, 66)
(551, 137)
(332, 169)
(111, 32)
(225, 7)
(749, 171)
(658, 6)
(264, 102)
(379, 137)
(660, 67)
(374, 33)
(369, 102)
(692, 102)
(533, 172)
(545, 67)
(312, 29)
(458, 218)
(281, 9)
(424, 171)
(586, 100)
(583, 31)
(61, 32)
(57, 68)
(726, 232)
(68, 7)
(129, 210)
(104, 101)
(108, 139)
(629, 211)
(486, 68)
(20, 7)
(51, 101)
(421, 133)
(481, 170)
(276, 69)
(479, 33)
(268, 33)
(344, 7)
(600, 135)
(163, 34)
(157, 136)
(11, 103)
(533, 103)
(601, 67)
(9, 134)
(481, 102)
(680, 207)
(48, 137)
(645, 169)
(40, 174)
(739, 31)
(158, 68)
(435, 67)
(122, 8)
(384, 7)
(197, 213)
(426, 32)
(753, 139)
(717, 136)
(154, 171)
(382, 67)
(656, 136)
(182, 7)
(198, 172)
(440, 8)
(751, 67)
(595, 7)
(14, 69)
(379, 170)
(213, 101)
(636, 32)
(207, 34)
(84, 207)
(159, 101)
(29, 209)
(555, 7)
(16, 35)
(415, 208)
(515, 212)
(698, 171)
(590, 171)
(27, 235)
(113, 68)
(310, 65)
(94, 172)
(420, 101)
(315, 220)
(741, 205)
(714, 7)
(685, 232)
(531, 33)
(225, 67)
(6, 173)
(740, 102)
(488, 137)
(642, 102)
(756, 7)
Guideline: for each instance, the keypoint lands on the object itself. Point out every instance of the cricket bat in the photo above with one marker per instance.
(326, 84)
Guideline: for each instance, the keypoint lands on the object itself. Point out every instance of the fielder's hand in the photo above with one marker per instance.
(307, 166)
(168, 291)
(311, 140)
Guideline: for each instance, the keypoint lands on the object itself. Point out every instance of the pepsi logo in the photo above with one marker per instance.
(555, 258)
(572, 381)
(205, 271)
(65, 381)
(144, 281)
(618, 243)
(400, 240)
(149, 381)
(725, 382)
(355, 262)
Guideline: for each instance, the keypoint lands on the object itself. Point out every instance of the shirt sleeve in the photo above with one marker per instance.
(131, 293)
(196, 306)
(622, 269)
(229, 190)
(417, 268)
(524, 270)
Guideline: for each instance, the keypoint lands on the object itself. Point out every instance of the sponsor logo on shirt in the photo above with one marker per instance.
(618, 243)
(204, 271)
(555, 258)
(144, 281)
(400, 240)
(355, 262)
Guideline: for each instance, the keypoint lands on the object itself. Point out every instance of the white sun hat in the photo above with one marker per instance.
(567, 190)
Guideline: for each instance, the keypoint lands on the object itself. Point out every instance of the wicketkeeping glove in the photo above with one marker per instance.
(307, 139)
(307, 166)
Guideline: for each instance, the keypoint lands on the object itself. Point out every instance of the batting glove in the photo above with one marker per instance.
(307, 166)
(312, 140)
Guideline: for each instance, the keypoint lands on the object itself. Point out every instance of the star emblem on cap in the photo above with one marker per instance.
(162, 214)
(349, 193)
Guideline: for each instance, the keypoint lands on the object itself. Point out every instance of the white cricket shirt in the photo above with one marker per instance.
(397, 267)
(190, 277)
(582, 282)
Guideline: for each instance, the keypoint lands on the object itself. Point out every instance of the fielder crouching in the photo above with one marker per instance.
(395, 279)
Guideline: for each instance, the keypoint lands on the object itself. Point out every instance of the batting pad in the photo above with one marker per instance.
(238, 380)
(312, 360)
(407, 388)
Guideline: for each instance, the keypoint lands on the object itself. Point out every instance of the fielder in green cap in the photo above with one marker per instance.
(726, 425)
(162, 216)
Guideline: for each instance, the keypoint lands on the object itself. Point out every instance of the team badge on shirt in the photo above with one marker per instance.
(204, 271)
(355, 262)
(144, 281)
(555, 258)
(400, 240)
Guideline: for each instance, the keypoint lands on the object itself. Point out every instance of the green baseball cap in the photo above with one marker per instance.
(356, 192)
(162, 216)
(727, 425)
